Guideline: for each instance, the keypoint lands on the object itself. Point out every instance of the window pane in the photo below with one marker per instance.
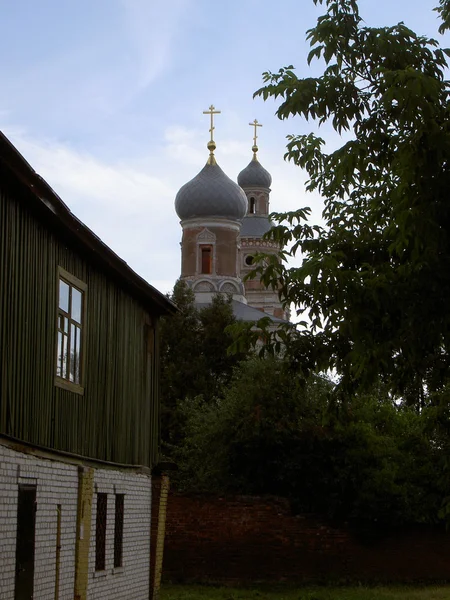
(73, 339)
(74, 354)
(59, 359)
(63, 295)
(76, 305)
(78, 355)
(70, 315)
(64, 356)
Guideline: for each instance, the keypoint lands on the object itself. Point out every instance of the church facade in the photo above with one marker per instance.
(223, 225)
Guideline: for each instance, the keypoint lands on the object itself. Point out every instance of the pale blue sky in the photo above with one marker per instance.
(105, 97)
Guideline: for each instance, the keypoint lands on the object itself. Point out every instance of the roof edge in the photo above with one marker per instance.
(45, 194)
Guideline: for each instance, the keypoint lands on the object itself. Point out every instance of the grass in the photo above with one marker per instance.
(197, 592)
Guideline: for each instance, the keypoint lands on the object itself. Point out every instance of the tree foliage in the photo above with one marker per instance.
(194, 356)
(444, 12)
(257, 426)
(238, 442)
(368, 461)
(375, 279)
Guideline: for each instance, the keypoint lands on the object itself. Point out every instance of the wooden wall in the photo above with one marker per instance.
(117, 418)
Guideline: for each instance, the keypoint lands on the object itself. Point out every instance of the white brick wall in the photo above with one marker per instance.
(57, 483)
(131, 582)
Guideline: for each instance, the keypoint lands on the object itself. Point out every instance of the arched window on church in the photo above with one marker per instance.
(206, 259)
(252, 205)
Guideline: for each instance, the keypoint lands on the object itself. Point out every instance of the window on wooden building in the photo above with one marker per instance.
(118, 530)
(71, 311)
(206, 259)
(100, 532)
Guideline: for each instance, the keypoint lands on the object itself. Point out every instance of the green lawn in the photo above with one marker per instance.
(195, 592)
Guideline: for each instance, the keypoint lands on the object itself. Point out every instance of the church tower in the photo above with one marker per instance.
(223, 227)
(211, 208)
(256, 182)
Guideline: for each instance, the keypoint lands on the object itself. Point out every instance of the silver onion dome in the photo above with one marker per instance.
(254, 175)
(211, 193)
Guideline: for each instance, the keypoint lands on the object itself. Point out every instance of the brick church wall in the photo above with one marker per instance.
(226, 260)
(225, 251)
(235, 540)
(189, 253)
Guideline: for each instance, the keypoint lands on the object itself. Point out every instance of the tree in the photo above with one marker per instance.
(243, 441)
(194, 356)
(444, 11)
(272, 432)
(375, 280)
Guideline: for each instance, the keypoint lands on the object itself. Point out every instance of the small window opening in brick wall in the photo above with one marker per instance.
(206, 258)
(118, 531)
(100, 532)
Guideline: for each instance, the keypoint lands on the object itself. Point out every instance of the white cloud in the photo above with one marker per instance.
(118, 188)
(130, 204)
(130, 209)
(185, 145)
(152, 27)
(237, 149)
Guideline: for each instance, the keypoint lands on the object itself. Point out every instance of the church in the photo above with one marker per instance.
(223, 225)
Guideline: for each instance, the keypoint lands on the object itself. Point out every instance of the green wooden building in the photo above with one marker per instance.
(79, 401)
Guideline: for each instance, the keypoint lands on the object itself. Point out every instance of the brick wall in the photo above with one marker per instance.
(57, 483)
(156, 495)
(243, 539)
(133, 578)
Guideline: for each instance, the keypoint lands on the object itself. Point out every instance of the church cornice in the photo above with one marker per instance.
(253, 242)
(211, 222)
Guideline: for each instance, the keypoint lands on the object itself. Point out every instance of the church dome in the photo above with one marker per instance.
(254, 175)
(211, 194)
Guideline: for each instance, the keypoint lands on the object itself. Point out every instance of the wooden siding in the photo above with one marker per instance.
(117, 418)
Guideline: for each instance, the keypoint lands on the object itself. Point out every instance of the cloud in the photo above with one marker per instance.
(130, 203)
(130, 209)
(237, 149)
(185, 145)
(118, 188)
(152, 28)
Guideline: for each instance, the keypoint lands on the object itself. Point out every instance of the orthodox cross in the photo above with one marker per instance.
(255, 124)
(212, 111)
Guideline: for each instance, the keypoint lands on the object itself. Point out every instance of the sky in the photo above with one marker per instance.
(105, 100)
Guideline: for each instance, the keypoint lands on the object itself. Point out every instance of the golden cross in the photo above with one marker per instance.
(255, 124)
(212, 111)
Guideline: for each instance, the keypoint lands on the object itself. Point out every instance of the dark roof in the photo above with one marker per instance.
(57, 213)
(244, 312)
(211, 193)
(255, 226)
(254, 175)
